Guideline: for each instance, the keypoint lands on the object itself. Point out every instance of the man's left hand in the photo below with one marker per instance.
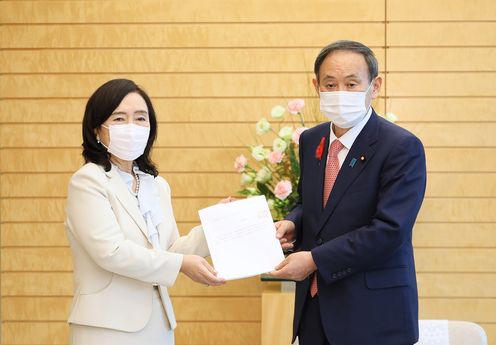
(297, 266)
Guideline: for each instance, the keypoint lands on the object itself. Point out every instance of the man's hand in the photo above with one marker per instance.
(285, 233)
(296, 266)
(199, 270)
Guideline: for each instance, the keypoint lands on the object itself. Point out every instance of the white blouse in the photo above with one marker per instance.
(148, 201)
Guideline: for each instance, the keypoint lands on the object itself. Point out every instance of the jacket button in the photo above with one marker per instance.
(319, 241)
(348, 270)
(334, 276)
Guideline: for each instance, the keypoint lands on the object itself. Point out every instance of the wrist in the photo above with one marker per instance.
(311, 262)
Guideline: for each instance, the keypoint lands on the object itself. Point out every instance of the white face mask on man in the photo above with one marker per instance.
(127, 141)
(345, 109)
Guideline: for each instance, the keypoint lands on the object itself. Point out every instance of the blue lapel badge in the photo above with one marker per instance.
(353, 162)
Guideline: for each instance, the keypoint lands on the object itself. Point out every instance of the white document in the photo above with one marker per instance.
(241, 237)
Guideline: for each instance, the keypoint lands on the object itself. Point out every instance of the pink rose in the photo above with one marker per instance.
(275, 157)
(240, 163)
(295, 106)
(283, 189)
(297, 133)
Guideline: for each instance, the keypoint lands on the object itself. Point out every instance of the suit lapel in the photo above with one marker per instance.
(322, 167)
(127, 200)
(352, 167)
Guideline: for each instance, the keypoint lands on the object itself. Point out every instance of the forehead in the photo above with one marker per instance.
(132, 101)
(341, 64)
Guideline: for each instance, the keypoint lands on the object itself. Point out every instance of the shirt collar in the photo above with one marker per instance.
(349, 137)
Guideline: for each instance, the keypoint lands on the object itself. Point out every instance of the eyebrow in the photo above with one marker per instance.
(351, 76)
(144, 112)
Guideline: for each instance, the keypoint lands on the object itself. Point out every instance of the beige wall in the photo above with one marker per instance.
(213, 68)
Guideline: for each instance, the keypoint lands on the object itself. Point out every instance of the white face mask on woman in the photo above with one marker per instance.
(344, 108)
(128, 141)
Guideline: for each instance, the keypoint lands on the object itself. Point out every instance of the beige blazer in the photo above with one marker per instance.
(115, 266)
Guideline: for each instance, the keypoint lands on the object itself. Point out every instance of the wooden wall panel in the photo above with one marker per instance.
(128, 11)
(213, 71)
(210, 309)
(441, 34)
(188, 333)
(186, 209)
(197, 110)
(222, 184)
(161, 85)
(60, 284)
(163, 60)
(443, 109)
(439, 159)
(237, 135)
(428, 10)
(480, 59)
(187, 35)
(440, 72)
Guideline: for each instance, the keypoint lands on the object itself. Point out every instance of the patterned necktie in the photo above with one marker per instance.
(331, 172)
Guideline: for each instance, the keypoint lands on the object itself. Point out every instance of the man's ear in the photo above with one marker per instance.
(316, 85)
(376, 87)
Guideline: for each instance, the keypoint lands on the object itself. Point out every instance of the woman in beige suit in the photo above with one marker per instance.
(121, 228)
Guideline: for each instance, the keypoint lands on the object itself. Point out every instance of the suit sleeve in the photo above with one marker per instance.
(93, 223)
(296, 214)
(402, 188)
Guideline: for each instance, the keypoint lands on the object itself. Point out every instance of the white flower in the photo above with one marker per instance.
(279, 145)
(252, 191)
(263, 126)
(286, 133)
(391, 117)
(247, 179)
(263, 175)
(259, 153)
(277, 112)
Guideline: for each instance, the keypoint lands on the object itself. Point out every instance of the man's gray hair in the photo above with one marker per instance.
(351, 46)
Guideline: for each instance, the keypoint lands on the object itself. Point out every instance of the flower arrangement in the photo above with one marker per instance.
(276, 171)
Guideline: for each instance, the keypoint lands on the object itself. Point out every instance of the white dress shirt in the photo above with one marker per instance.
(348, 138)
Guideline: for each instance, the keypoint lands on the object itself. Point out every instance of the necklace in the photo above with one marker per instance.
(136, 176)
(133, 173)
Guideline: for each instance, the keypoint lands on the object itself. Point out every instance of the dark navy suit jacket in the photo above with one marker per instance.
(362, 241)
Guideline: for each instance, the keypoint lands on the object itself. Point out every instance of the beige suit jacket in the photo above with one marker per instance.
(115, 266)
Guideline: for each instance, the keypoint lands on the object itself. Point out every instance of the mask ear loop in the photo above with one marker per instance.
(98, 137)
(366, 91)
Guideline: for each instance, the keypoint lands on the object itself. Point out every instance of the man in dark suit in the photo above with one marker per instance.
(361, 186)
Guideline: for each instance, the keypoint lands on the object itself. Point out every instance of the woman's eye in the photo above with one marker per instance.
(141, 118)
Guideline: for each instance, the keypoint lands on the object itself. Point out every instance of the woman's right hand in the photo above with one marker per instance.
(200, 271)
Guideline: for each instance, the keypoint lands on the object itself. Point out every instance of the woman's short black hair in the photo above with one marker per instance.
(100, 106)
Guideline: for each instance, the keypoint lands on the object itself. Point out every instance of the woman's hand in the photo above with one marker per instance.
(200, 271)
